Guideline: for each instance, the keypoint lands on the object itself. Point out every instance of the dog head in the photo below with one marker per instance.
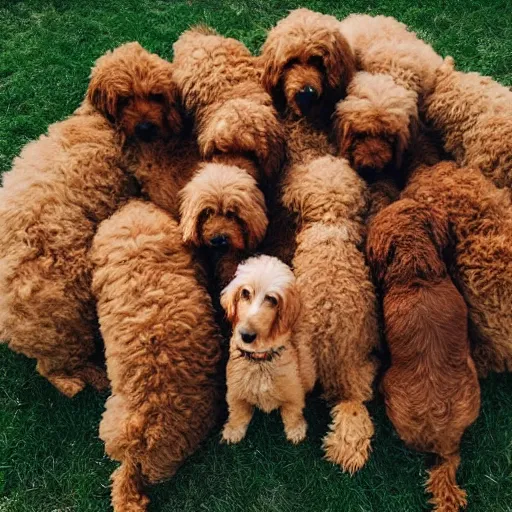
(222, 208)
(374, 124)
(307, 64)
(406, 241)
(262, 304)
(134, 90)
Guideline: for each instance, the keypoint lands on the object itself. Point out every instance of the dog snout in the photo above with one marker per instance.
(220, 242)
(305, 98)
(247, 336)
(146, 131)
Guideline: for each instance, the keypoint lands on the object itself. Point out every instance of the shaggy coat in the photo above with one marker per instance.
(58, 191)
(431, 389)
(267, 367)
(162, 349)
(474, 114)
(307, 65)
(379, 119)
(481, 220)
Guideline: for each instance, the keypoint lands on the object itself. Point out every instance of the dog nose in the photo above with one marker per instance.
(146, 131)
(305, 98)
(219, 242)
(248, 337)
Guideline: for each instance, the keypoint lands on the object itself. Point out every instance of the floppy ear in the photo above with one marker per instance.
(380, 249)
(229, 300)
(438, 229)
(289, 310)
(343, 135)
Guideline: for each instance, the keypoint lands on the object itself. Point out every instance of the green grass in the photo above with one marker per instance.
(50, 456)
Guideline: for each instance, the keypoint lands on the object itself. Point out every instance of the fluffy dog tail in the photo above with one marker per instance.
(127, 485)
(447, 496)
(348, 442)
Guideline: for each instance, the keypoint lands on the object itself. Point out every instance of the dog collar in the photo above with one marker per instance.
(262, 357)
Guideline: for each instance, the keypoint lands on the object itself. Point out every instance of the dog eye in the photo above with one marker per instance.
(230, 214)
(316, 61)
(208, 212)
(245, 294)
(157, 98)
(122, 102)
(271, 300)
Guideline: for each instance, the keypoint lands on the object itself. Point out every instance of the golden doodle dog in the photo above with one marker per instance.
(307, 65)
(431, 389)
(267, 368)
(238, 130)
(162, 349)
(378, 121)
(474, 115)
(58, 191)
(481, 219)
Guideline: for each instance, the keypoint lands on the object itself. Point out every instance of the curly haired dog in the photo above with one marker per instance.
(58, 191)
(431, 389)
(379, 119)
(307, 64)
(480, 217)
(162, 349)
(474, 114)
(267, 367)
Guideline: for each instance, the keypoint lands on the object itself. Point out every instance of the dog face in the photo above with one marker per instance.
(375, 124)
(223, 208)
(135, 90)
(307, 64)
(262, 303)
(406, 241)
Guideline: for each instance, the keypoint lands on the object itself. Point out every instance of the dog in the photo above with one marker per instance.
(480, 216)
(162, 349)
(223, 209)
(307, 66)
(378, 121)
(474, 115)
(267, 367)
(58, 191)
(431, 389)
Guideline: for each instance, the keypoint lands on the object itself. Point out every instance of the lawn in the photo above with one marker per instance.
(50, 455)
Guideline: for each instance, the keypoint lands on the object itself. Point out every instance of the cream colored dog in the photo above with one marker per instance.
(266, 368)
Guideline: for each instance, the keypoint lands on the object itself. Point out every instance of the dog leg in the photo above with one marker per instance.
(348, 442)
(447, 495)
(127, 493)
(295, 425)
(67, 384)
(240, 415)
(95, 376)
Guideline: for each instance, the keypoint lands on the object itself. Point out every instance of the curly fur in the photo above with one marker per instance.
(59, 189)
(220, 83)
(379, 119)
(325, 201)
(480, 216)
(162, 349)
(431, 389)
(474, 114)
(263, 301)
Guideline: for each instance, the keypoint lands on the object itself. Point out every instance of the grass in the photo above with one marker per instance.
(50, 457)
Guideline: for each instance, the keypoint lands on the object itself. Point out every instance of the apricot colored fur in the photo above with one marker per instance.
(474, 114)
(58, 191)
(263, 299)
(481, 220)
(327, 201)
(431, 389)
(162, 349)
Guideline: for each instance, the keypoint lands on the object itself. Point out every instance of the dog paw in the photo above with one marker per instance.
(96, 377)
(69, 386)
(233, 435)
(297, 434)
(348, 442)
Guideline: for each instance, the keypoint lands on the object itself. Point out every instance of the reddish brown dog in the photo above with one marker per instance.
(431, 389)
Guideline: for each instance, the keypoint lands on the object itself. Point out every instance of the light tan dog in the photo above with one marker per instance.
(474, 115)
(268, 368)
(322, 205)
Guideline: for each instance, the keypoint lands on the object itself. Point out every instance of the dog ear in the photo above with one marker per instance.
(289, 309)
(229, 300)
(380, 248)
(193, 206)
(438, 229)
(343, 135)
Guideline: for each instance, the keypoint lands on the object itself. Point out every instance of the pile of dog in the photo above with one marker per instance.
(347, 151)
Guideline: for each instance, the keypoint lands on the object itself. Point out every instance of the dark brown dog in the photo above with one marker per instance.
(431, 389)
